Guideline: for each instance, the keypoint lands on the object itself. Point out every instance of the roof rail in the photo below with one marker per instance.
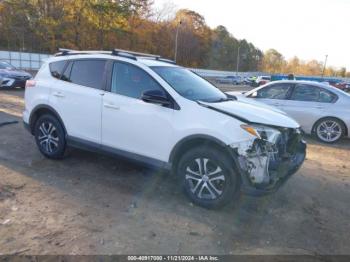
(161, 60)
(116, 52)
(121, 51)
(135, 55)
(64, 52)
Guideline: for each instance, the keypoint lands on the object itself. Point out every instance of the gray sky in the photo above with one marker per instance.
(309, 29)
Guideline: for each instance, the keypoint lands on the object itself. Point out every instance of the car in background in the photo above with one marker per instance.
(228, 80)
(320, 109)
(248, 80)
(11, 77)
(262, 80)
(343, 86)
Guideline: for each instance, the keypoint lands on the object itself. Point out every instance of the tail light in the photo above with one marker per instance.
(30, 83)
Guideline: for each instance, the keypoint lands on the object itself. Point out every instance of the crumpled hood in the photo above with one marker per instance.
(254, 113)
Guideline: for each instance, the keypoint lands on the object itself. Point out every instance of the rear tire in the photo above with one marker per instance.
(50, 137)
(329, 130)
(207, 176)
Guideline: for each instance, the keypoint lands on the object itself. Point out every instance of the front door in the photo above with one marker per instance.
(274, 94)
(130, 124)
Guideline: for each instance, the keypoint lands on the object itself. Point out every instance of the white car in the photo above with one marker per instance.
(148, 109)
(262, 80)
(320, 109)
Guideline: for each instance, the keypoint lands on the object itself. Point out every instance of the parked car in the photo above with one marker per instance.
(12, 77)
(262, 80)
(342, 86)
(320, 109)
(150, 110)
(249, 80)
(230, 80)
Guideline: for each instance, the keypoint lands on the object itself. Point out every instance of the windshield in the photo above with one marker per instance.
(190, 85)
(5, 65)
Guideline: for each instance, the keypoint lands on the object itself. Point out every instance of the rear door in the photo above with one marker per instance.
(307, 104)
(77, 97)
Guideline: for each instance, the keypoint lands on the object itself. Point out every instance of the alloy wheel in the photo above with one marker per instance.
(48, 137)
(205, 178)
(329, 131)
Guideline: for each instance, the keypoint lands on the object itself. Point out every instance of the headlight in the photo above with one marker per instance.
(262, 132)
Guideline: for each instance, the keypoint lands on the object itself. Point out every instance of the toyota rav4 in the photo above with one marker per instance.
(146, 108)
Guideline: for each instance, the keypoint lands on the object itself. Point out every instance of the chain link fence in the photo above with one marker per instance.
(24, 60)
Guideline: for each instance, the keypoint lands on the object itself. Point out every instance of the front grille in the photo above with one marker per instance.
(21, 78)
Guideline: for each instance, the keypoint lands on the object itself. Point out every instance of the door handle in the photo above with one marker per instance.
(111, 106)
(319, 107)
(58, 94)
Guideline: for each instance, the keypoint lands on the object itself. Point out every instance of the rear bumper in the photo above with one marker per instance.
(286, 169)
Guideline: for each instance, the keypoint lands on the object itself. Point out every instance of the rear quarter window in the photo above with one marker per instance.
(326, 96)
(56, 68)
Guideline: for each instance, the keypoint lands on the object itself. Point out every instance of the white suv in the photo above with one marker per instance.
(148, 109)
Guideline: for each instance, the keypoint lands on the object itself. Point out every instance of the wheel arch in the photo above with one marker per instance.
(197, 140)
(40, 110)
(313, 130)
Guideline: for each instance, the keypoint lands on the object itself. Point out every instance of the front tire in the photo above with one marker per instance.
(208, 177)
(329, 130)
(50, 137)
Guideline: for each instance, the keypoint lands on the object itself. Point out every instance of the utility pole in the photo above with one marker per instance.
(324, 66)
(176, 38)
(238, 56)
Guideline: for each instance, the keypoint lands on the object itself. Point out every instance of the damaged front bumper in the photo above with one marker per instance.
(266, 165)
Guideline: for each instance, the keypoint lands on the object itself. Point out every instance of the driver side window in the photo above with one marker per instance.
(131, 81)
(276, 91)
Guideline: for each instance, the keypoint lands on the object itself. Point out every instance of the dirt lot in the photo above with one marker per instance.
(92, 204)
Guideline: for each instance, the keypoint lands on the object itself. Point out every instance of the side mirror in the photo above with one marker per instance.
(156, 97)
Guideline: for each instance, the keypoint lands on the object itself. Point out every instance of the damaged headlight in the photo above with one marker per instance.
(263, 132)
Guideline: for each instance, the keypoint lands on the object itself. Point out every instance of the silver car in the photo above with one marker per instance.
(320, 109)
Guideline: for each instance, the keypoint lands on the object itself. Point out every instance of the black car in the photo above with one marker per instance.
(11, 77)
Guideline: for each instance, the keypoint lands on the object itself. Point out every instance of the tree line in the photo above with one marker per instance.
(274, 62)
(46, 25)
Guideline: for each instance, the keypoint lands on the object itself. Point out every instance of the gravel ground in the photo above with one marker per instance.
(93, 204)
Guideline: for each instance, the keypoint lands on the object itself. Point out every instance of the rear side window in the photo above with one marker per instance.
(310, 93)
(306, 93)
(131, 81)
(56, 68)
(88, 73)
